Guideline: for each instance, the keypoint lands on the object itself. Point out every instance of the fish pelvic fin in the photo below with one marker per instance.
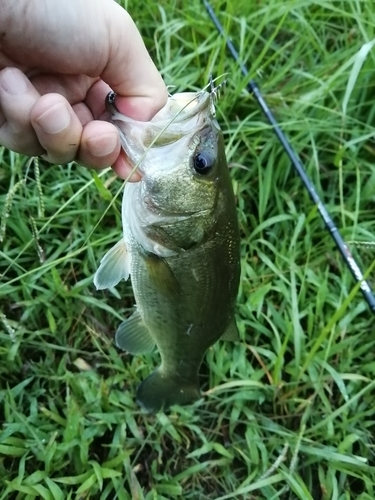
(133, 335)
(159, 391)
(114, 266)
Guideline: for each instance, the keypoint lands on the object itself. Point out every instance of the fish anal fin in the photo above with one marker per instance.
(133, 335)
(114, 266)
(231, 333)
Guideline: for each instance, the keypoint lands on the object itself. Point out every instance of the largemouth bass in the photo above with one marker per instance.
(180, 244)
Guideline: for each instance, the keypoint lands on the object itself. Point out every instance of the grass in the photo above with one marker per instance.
(289, 411)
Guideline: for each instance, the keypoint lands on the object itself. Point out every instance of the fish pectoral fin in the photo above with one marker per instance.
(133, 335)
(162, 275)
(114, 266)
(231, 333)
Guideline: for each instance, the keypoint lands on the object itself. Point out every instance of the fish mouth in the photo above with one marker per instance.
(189, 103)
(180, 107)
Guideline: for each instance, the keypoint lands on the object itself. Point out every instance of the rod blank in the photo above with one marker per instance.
(253, 88)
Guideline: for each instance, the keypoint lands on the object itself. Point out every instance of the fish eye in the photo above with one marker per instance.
(203, 163)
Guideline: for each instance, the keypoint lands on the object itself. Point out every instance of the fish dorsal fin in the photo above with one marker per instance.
(114, 266)
(133, 336)
(231, 333)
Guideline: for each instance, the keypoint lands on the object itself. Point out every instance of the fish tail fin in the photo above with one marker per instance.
(160, 391)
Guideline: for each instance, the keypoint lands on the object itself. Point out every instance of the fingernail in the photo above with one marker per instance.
(55, 119)
(103, 145)
(13, 81)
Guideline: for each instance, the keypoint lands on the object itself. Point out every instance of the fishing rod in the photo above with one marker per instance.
(253, 88)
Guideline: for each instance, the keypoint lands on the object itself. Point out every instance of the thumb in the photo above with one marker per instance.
(130, 71)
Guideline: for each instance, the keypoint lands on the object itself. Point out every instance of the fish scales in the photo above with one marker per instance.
(180, 246)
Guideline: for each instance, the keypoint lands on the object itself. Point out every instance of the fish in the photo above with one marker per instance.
(180, 244)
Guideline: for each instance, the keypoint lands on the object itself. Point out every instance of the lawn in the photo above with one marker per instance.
(289, 411)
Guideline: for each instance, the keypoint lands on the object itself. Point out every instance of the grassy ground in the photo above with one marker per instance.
(289, 411)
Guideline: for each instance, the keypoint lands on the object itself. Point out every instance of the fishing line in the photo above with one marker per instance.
(253, 88)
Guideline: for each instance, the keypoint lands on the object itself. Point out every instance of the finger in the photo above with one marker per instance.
(100, 145)
(123, 168)
(95, 100)
(84, 114)
(17, 98)
(57, 127)
(73, 87)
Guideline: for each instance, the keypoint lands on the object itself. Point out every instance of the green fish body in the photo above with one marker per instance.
(180, 245)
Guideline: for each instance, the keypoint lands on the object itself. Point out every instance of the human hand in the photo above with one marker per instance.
(58, 61)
